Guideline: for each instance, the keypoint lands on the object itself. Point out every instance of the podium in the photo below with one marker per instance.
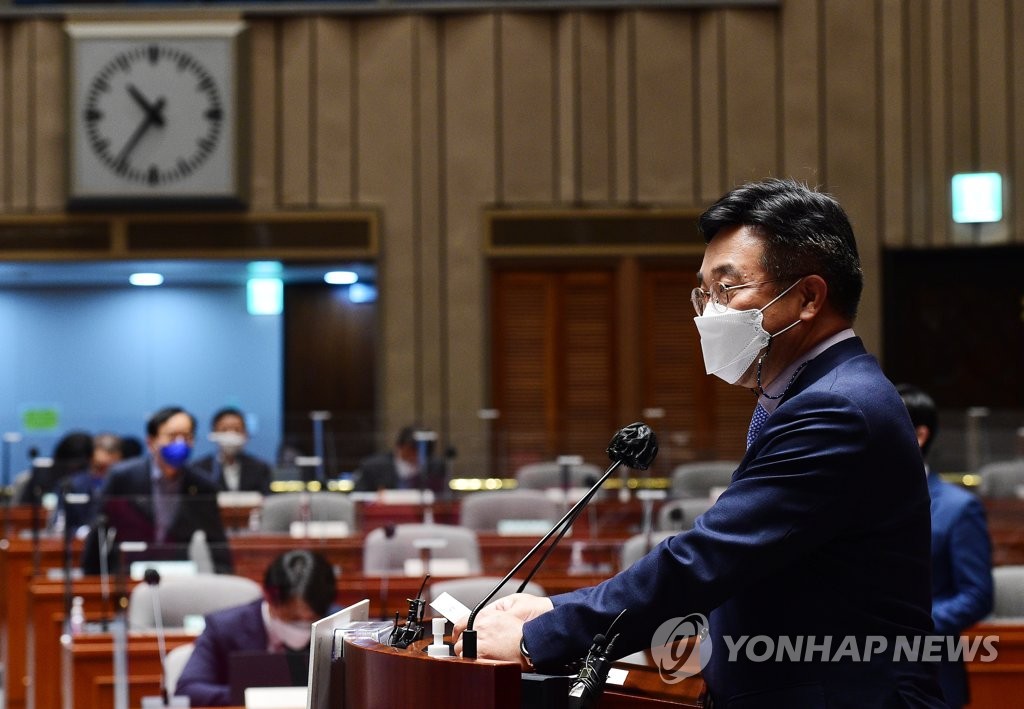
(377, 677)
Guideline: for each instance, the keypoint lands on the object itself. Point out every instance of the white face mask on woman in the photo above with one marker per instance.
(293, 635)
(731, 340)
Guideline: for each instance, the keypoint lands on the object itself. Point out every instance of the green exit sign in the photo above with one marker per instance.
(40, 419)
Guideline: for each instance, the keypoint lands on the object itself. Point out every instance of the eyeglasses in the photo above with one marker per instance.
(720, 294)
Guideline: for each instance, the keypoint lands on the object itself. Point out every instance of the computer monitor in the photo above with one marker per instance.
(321, 648)
(265, 669)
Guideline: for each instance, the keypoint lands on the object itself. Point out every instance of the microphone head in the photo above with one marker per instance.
(634, 446)
(152, 577)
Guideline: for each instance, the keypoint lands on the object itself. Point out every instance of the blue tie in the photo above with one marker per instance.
(756, 422)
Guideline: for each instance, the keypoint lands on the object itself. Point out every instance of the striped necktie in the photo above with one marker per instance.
(756, 422)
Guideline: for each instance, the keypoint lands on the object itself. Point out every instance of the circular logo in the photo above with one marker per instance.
(678, 647)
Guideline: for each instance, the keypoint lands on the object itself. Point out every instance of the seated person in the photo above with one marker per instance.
(106, 452)
(298, 589)
(158, 499)
(408, 465)
(231, 468)
(71, 454)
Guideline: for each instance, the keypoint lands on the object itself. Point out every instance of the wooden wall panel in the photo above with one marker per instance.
(595, 103)
(50, 149)
(263, 123)
(22, 115)
(623, 72)
(526, 134)
(567, 108)
(428, 226)
(333, 148)
(892, 186)
(468, 134)
(851, 153)
(664, 107)
(918, 130)
(940, 42)
(385, 147)
(5, 110)
(711, 106)
(994, 55)
(801, 107)
(297, 112)
(1015, 114)
(751, 96)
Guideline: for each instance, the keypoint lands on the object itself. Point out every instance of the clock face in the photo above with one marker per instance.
(154, 114)
(154, 111)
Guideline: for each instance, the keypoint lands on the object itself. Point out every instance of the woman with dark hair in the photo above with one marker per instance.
(298, 589)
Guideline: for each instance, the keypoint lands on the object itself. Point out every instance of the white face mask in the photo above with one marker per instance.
(730, 341)
(229, 442)
(294, 635)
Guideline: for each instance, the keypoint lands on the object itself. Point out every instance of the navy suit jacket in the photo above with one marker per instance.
(823, 531)
(126, 500)
(205, 677)
(254, 475)
(961, 573)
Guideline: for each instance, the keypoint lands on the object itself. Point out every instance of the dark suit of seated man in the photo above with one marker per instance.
(231, 468)
(402, 467)
(157, 499)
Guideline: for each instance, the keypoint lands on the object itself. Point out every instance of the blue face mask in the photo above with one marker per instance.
(176, 453)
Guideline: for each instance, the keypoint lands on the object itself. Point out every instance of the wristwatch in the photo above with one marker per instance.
(525, 653)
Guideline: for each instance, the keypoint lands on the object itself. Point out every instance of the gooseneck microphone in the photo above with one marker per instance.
(152, 577)
(634, 446)
(588, 686)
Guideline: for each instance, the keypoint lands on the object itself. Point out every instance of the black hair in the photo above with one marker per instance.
(227, 411)
(163, 416)
(805, 232)
(304, 574)
(407, 436)
(131, 447)
(73, 452)
(922, 410)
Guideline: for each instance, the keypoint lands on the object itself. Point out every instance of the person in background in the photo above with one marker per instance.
(408, 465)
(962, 591)
(158, 499)
(71, 454)
(230, 468)
(298, 589)
(86, 484)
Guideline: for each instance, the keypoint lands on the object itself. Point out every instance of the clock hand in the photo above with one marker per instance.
(153, 111)
(149, 120)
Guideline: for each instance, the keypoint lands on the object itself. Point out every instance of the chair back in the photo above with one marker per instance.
(174, 664)
(638, 545)
(697, 479)
(386, 549)
(548, 474)
(474, 589)
(281, 509)
(482, 511)
(181, 596)
(679, 515)
(1008, 582)
(1001, 479)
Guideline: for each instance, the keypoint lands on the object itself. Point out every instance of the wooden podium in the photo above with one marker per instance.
(378, 676)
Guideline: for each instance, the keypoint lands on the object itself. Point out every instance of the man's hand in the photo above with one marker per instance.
(499, 626)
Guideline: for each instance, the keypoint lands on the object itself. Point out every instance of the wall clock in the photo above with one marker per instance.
(154, 115)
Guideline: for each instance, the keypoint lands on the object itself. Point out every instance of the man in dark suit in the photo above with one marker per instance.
(824, 529)
(159, 500)
(409, 465)
(962, 592)
(231, 468)
(298, 589)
